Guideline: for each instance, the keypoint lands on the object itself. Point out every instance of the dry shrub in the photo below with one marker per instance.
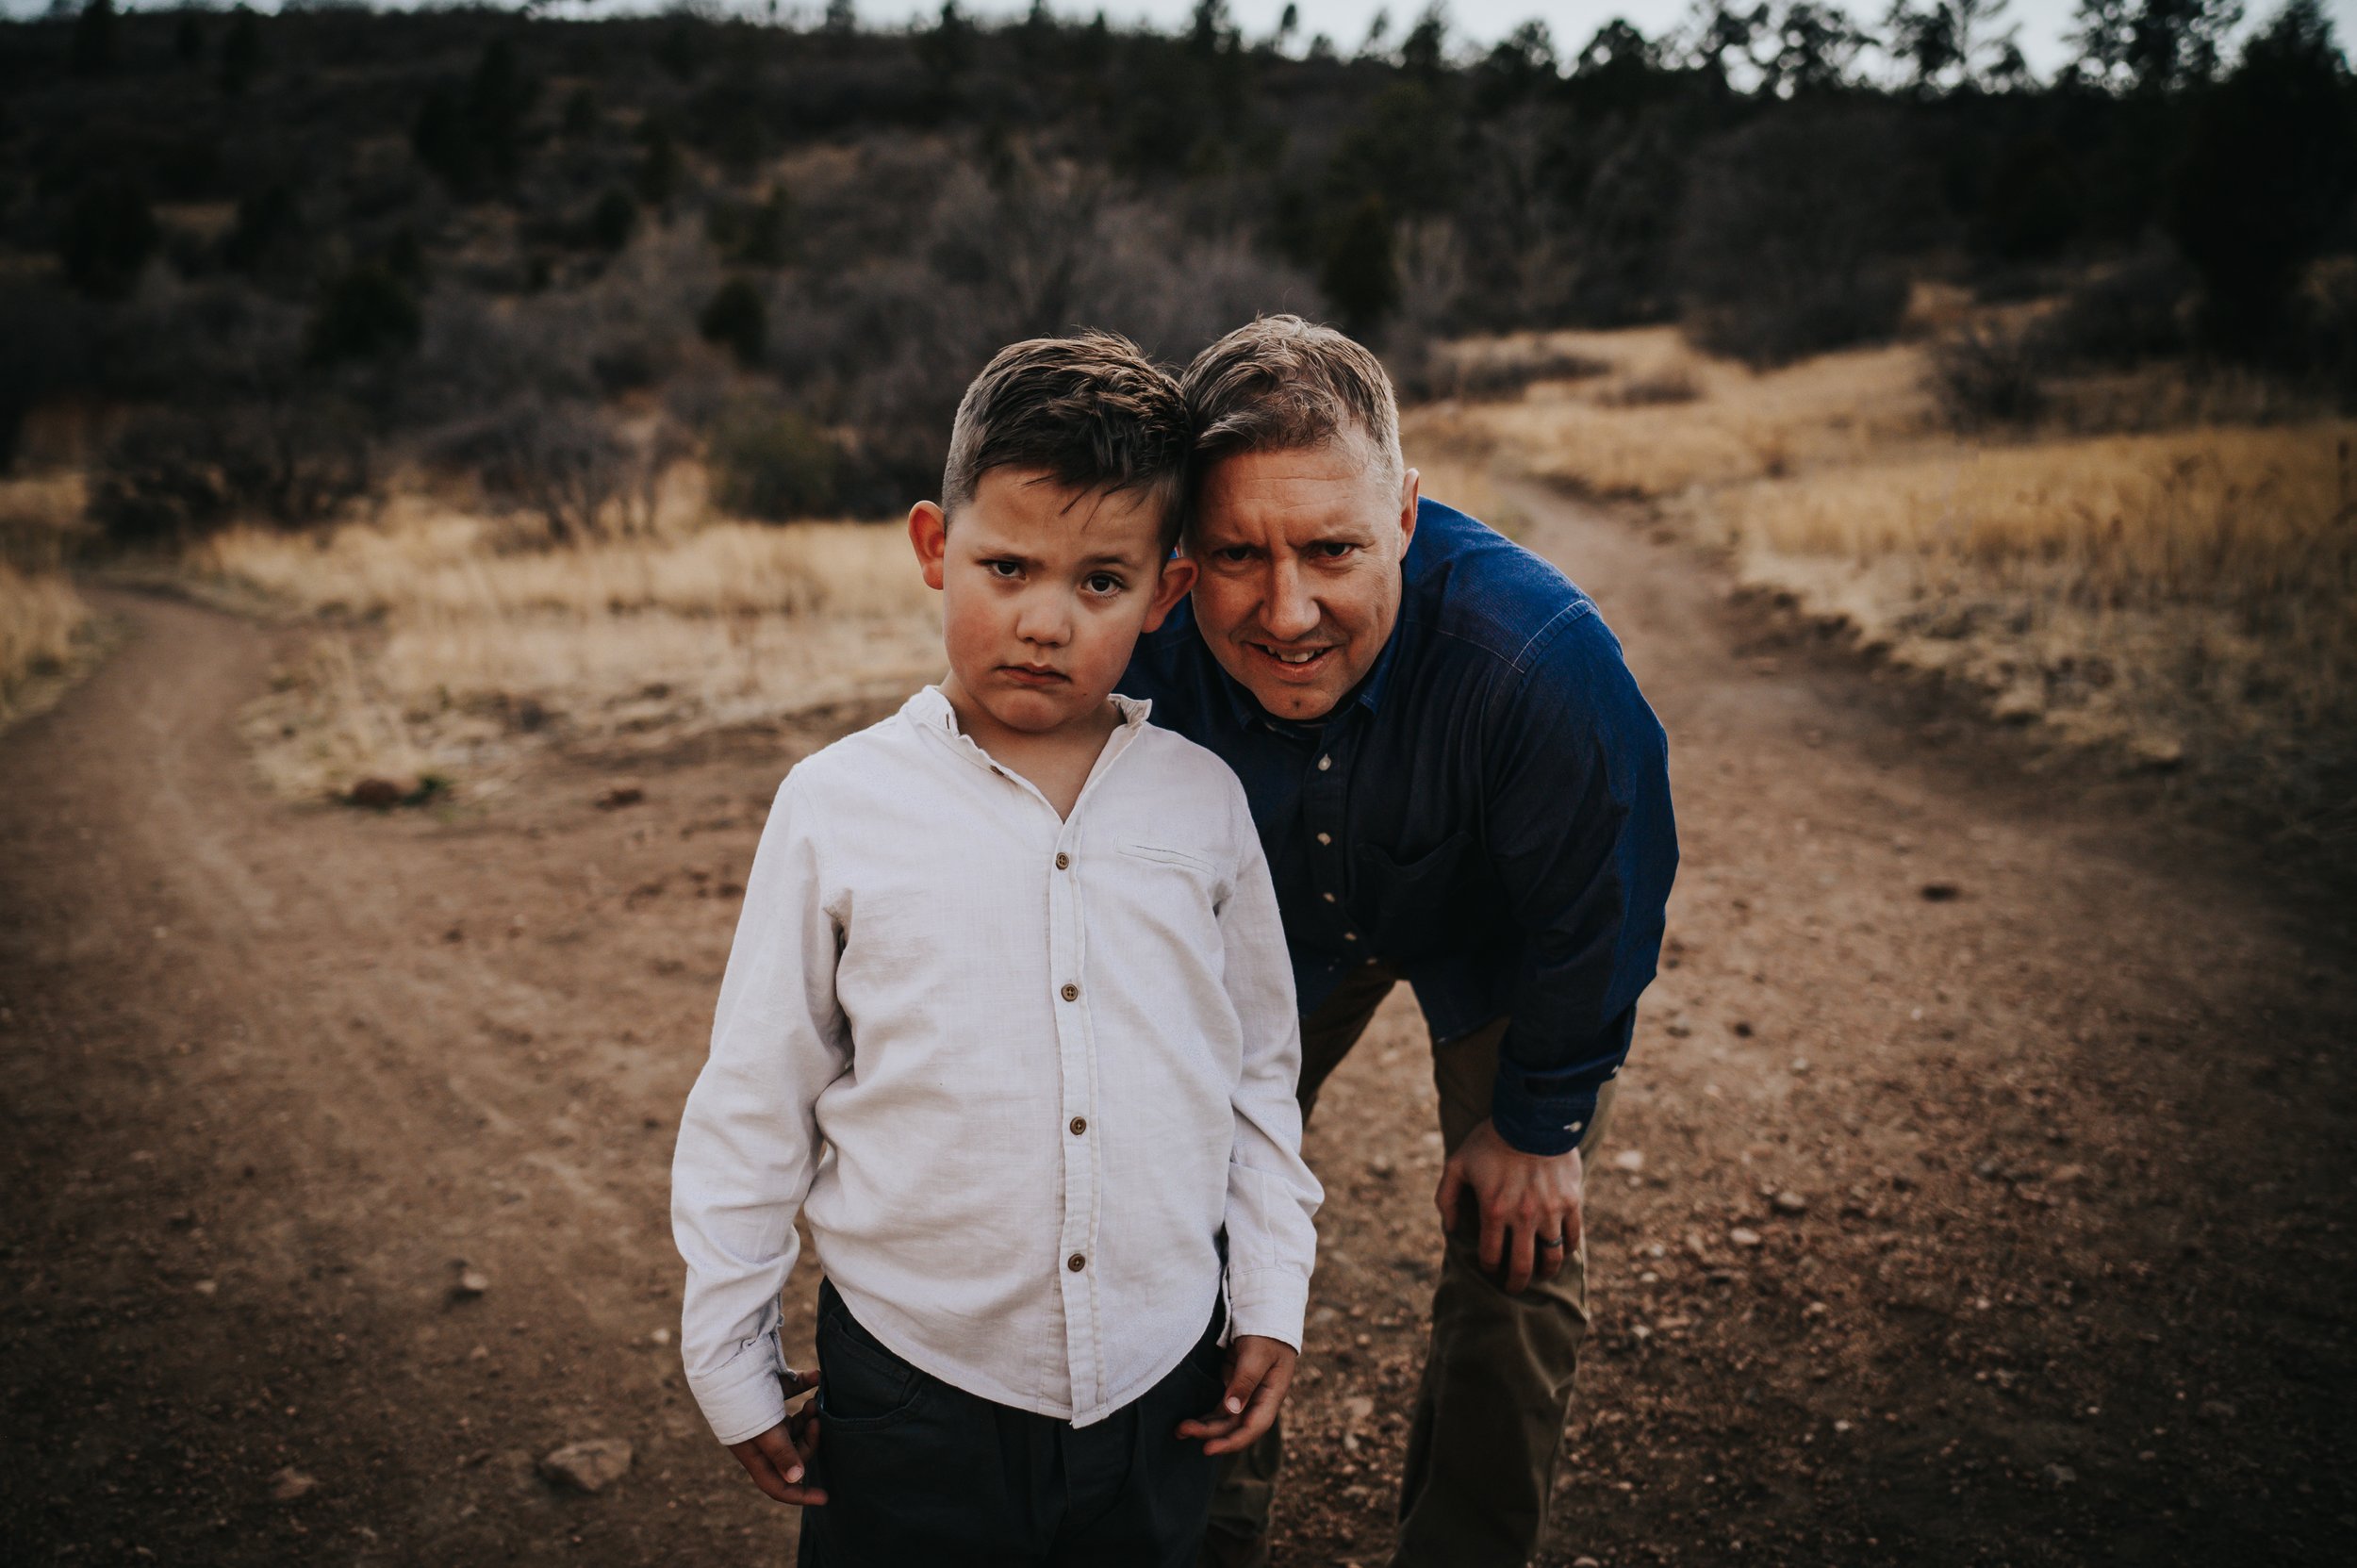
(42, 624)
(2190, 597)
(1741, 425)
(459, 655)
(42, 520)
(1990, 373)
(1676, 383)
(1502, 368)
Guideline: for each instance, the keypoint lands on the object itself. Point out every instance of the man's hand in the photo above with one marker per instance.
(778, 1458)
(1260, 1370)
(1526, 1199)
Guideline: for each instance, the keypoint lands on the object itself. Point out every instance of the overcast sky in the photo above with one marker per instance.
(2043, 23)
(1573, 21)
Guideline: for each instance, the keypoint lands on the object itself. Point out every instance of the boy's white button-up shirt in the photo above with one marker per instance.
(1018, 1072)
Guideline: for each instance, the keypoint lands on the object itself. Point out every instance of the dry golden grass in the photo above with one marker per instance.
(447, 654)
(1618, 436)
(2184, 596)
(44, 623)
(2184, 593)
(1450, 478)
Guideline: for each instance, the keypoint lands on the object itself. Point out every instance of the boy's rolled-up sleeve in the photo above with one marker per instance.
(1272, 1197)
(749, 1139)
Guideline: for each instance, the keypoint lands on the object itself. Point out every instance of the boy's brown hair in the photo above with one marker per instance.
(1284, 384)
(1090, 410)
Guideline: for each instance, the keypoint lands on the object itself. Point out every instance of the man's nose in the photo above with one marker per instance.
(1290, 612)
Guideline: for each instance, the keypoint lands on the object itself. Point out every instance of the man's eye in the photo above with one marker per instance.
(1332, 549)
(1234, 554)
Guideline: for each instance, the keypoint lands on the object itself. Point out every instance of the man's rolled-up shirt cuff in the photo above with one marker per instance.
(1270, 1302)
(1544, 1113)
(747, 1397)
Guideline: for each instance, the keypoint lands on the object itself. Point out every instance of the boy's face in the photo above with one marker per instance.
(1045, 591)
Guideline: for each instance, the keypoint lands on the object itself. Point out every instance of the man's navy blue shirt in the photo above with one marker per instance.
(1488, 812)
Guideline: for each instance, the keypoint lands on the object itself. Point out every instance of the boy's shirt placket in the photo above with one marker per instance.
(1076, 1056)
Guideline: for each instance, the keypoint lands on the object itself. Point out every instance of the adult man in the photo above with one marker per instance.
(1457, 783)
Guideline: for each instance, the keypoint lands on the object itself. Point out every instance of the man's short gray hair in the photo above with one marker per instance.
(1282, 384)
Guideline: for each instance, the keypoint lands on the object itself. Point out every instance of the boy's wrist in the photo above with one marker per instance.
(1268, 1304)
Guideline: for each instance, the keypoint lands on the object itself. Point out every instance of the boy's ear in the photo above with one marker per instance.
(1177, 577)
(928, 533)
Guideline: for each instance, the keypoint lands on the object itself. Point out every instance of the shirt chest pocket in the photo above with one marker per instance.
(1426, 903)
(1175, 893)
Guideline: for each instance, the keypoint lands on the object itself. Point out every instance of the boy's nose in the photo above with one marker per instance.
(1045, 619)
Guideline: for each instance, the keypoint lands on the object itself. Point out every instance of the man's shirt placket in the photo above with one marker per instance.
(1324, 813)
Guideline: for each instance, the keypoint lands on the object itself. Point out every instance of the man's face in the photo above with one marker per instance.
(1045, 591)
(1300, 553)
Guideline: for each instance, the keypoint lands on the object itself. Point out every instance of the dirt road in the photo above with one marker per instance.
(1979, 1191)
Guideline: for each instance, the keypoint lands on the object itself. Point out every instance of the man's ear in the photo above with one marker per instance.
(1177, 577)
(929, 534)
(1411, 490)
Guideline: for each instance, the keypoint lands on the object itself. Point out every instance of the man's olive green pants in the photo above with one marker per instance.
(1488, 1426)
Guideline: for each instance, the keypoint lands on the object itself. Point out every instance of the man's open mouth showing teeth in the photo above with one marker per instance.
(1291, 655)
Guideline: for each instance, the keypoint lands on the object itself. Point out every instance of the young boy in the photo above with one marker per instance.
(1008, 1019)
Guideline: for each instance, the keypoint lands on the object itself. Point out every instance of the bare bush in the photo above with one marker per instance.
(1673, 384)
(171, 476)
(2124, 315)
(1986, 373)
(571, 462)
(1787, 237)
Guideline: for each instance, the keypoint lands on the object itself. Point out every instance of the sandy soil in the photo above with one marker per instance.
(1978, 1193)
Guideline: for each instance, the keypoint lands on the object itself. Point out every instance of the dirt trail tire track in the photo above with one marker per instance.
(2062, 1275)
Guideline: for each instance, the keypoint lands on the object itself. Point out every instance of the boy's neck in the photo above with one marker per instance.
(1055, 762)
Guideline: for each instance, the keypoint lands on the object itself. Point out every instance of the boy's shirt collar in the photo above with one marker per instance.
(929, 711)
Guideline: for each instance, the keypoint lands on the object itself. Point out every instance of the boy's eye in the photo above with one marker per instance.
(1003, 568)
(1103, 581)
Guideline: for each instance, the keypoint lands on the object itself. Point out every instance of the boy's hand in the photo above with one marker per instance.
(1260, 1370)
(778, 1458)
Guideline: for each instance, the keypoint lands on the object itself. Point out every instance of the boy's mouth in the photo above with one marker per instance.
(1027, 676)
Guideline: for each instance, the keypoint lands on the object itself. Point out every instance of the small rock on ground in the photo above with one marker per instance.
(590, 1465)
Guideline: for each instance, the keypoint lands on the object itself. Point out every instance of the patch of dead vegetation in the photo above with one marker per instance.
(47, 633)
(446, 652)
(2163, 565)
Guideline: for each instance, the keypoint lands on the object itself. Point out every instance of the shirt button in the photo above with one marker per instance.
(1063, 862)
(1325, 763)
(1327, 897)
(1350, 937)
(1076, 1263)
(1080, 1125)
(1071, 992)
(1326, 838)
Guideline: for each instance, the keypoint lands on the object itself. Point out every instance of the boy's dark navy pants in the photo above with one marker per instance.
(919, 1473)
